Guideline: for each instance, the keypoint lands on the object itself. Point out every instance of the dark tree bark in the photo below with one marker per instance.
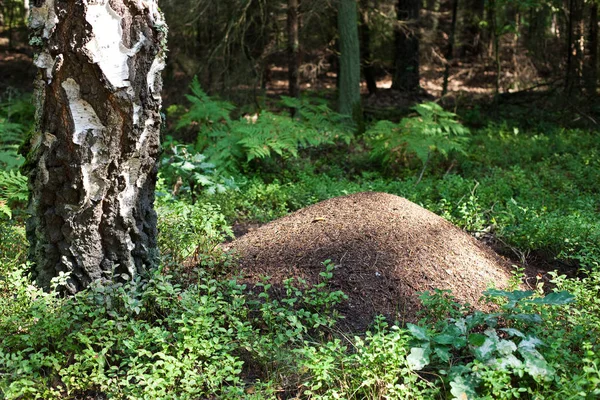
(293, 49)
(366, 56)
(434, 7)
(450, 50)
(495, 33)
(406, 64)
(469, 38)
(591, 60)
(349, 77)
(92, 159)
(536, 37)
(575, 43)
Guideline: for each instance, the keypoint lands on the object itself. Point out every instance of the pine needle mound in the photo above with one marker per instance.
(386, 250)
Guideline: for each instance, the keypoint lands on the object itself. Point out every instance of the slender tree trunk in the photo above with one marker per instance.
(366, 56)
(349, 77)
(434, 7)
(469, 37)
(406, 74)
(92, 159)
(495, 42)
(450, 51)
(293, 49)
(575, 47)
(536, 37)
(26, 7)
(591, 61)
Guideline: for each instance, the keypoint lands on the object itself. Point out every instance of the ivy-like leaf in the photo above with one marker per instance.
(418, 332)
(555, 299)
(512, 297)
(463, 388)
(418, 358)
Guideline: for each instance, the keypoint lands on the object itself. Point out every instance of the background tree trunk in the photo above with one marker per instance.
(92, 159)
(366, 56)
(470, 41)
(349, 77)
(406, 65)
(450, 49)
(575, 40)
(293, 49)
(591, 60)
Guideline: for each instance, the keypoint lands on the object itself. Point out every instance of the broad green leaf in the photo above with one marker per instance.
(477, 339)
(462, 388)
(513, 332)
(536, 365)
(188, 166)
(418, 358)
(418, 332)
(512, 297)
(506, 362)
(443, 353)
(530, 342)
(528, 318)
(444, 339)
(506, 347)
(486, 350)
(555, 299)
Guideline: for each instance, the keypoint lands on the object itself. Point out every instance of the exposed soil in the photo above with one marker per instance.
(386, 250)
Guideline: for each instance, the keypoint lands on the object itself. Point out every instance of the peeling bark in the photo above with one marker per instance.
(92, 159)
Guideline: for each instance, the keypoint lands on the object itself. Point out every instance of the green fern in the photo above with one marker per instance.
(205, 111)
(315, 114)
(13, 191)
(432, 130)
(11, 136)
(228, 143)
(16, 117)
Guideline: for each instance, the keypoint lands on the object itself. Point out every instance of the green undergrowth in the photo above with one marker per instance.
(190, 330)
(154, 338)
(537, 192)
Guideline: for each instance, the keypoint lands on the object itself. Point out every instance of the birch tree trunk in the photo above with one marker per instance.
(92, 160)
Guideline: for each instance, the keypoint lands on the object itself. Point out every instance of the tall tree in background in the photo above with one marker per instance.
(406, 60)
(575, 46)
(293, 48)
(349, 78)
(591, 59)
(93, 157)
(450, 49)
(470, 39)
(366, 54)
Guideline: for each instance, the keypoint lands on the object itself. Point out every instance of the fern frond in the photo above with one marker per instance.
(432, 130)
(204, 110)
(13, 190)
(11, 137)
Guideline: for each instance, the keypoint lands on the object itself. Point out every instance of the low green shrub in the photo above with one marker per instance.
(188, 230)
(152, 338)
(185, 172)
